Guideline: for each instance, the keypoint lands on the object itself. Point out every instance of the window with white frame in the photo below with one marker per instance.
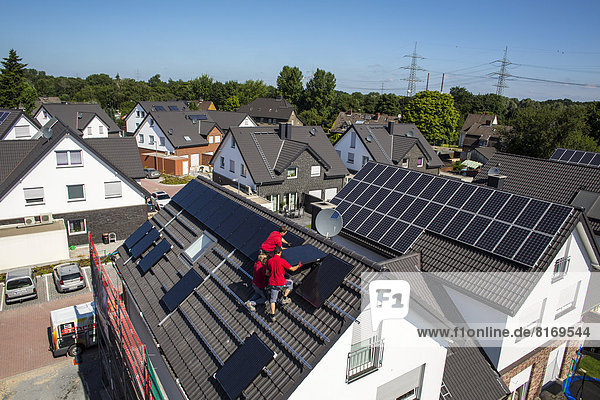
(217, 139)
(151, 122)
(101, 130)
(420, 162)
(75, 192)
(222, 162)
(405, 162)
(231, 166)
(315, 170)
(89, 130)
(140, 138)
(211, 139)
(34, 195)
(68, 158)
(561, 266)
(22, 131)
(243, 170)
(350, 158)
(77, 226)
(198, 247)
(567, 300)
(112, 189)
(151, 139)
(292, 172)
(531, 317)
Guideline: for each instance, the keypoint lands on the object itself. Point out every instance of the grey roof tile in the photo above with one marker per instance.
(67, 114)
(122, 152)
(268, 108)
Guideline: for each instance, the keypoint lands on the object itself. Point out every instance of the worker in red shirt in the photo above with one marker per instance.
(275, 239)
(259, 283)
(277, 281)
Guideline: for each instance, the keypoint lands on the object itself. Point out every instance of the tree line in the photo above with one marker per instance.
(537, 127)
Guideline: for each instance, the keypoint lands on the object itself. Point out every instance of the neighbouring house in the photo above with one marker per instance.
(90, 120)
(271, 111)
(345, 120)
(186, 274)
(506, 260)
(46, 100)
(135, 117)
(280, 163)
(395, 144)
(204, 105)
(480, 130)
(16, 125)
(482, 154)
(67, 187)
(179, 143)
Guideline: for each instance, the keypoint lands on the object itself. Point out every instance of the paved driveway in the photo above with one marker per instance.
(153, 185)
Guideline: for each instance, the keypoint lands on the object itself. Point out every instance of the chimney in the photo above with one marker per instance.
(199, 126)
(391, 127)
(495, 179)
(285, 130)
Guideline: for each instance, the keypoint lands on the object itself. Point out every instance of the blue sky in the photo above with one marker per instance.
(362, 43)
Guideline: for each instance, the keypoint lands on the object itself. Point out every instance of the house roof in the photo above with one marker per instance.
(529, 176)
(177, 127)
(209, 325)
(225, 119)
(486, 152)
(254, 142)
(345, 119)
(11, 119)
(447, 250)
(261, 107)
(579, 157)
(477, 119)
(67, 114)
(150, 106)
(18, 157)
(389, 149)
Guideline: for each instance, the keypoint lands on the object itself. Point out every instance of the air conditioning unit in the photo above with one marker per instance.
(46, 218)
(29, 221)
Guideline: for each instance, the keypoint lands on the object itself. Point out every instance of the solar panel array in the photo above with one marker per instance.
(579, 157)
(392, 206)
(234, 223)
(4, 115)
(181, 290)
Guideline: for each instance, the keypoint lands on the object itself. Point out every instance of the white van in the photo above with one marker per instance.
(72, 329)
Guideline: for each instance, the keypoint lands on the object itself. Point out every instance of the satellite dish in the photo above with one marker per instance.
(369, 138)
(329, 222)
(410, 134)
(47, 132)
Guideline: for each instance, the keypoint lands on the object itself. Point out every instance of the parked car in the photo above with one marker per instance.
(160, 199)
(68, 277)
(20, 285)
(151, 173)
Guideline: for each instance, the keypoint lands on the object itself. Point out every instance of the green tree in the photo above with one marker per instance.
(13, 86)
(251, 90)
(289, 84)
(319, 95)
(311, 117)
(231, 104)
(592, 118)
(201, 88)
(435, 116)
(389, 104)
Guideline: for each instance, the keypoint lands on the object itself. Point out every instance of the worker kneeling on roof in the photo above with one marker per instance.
(274, 240)
(277, 281)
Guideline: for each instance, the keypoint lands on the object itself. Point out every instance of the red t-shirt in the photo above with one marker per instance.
(272, 241)
(258, 278)
(278, 265)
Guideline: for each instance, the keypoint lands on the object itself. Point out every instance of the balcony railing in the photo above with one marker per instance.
(364, 359)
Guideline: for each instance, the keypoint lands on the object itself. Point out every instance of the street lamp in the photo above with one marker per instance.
(238, 184)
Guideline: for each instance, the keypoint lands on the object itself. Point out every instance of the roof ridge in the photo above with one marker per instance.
(262, 155)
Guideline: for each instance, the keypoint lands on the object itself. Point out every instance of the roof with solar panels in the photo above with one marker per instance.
(457, 226)
(189, 271)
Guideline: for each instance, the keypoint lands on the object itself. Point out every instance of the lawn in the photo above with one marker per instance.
(590, 365)
(176, 180)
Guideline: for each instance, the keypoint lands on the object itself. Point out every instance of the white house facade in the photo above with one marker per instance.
(352, 151)
(22, 129)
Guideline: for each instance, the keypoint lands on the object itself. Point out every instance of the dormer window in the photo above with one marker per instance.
(199, 247)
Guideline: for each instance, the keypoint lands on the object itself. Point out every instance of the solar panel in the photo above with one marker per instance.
(407, 182)
(159, 108)
(364, 171)
(432, 189)
(243, 366)
(595, 161)
(382, 178)
(342, 206)
(553, 219)
(532, 249)
(144, 243)
(356, 192)
(490, 238)
(293, 240)
(576, 157)
(512, 208)
(181, 290)
(494, 204)
(401, 206)
(305, 254)
(441, 220)
(389, 202)
(196, 117)
(477, 199)
(368, 224)
(428, 214)
(447, 191)
(587, 157)
(137, 235)
(458, 223)
(532, 214)
(382, 227)
(461, 196)
(4, 115)
(374, 173)
(420, 184)
(341, 195)
(378, 198)
(323, 279)
(394, 233)
(472, 232)
(512, 241)
(407, 238)
(414, 210)
(367, 194)
(349, 213)
(567, 155)
(557, 153)
(154, 255)
(173, 108)
(396, 178)
(358, 219)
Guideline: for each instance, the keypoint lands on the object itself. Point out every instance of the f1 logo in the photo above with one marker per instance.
(389, 300)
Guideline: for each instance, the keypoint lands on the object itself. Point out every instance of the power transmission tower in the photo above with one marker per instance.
(412, 77)
(501, 84)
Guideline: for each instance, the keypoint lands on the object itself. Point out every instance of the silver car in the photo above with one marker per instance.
(20, 285)
(68, 277)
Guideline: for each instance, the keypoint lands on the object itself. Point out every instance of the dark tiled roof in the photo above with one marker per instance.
(12, 152)
(344, 120)
(67, 114)
(225, 119)
(279, 154)
(543, 179)
(477, 119)
(389, 149)
(13, 116)
(487, 152)
(177, 126)
(122, 152)
(150, 106)
(268, 108)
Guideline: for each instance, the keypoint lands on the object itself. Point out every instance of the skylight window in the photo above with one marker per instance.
(187, 138)
(196, 249)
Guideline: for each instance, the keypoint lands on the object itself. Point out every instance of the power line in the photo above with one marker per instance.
(412, 77)
(501, 84)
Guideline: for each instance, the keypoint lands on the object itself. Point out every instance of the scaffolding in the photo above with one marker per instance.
(127, 372)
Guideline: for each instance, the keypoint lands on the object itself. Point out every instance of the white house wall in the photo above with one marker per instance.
(147, 131)
(248, 122)
(360, 151)
(42, 116)
(133, 120)
(55, 179)
(95, 132)
(228, 154)
(403, 351)
(22, 121)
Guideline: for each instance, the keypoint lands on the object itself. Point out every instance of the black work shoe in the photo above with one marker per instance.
(272, 317)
